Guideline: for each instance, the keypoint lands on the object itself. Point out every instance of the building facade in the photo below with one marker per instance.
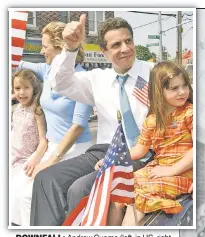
(39, 19)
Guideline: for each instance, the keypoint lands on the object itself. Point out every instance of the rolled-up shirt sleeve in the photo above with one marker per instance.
(81, 114)
(74, 85)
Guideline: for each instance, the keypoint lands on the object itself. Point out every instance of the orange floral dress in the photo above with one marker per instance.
(160, 193)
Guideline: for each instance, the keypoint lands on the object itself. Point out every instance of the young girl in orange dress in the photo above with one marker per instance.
(168, 130)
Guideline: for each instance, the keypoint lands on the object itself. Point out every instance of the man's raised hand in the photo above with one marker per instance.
(74, 33)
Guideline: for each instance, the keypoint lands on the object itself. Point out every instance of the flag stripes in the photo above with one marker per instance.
(114, 182)
(96, 213)
(141, 91)
(18, 34)
(76, 216)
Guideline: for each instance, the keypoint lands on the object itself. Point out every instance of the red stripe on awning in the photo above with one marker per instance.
(17, 42)
(16, 57)
(17, 24)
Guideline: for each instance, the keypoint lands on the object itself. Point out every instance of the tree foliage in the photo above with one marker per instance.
(143, 53)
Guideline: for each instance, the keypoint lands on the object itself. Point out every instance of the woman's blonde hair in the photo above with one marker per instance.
(29, 75)
(55, 29)
(160, 77)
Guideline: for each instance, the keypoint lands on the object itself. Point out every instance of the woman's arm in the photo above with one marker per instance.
(80, 120)
(35, 158)
(68, 140)
(81, 115)
(38, 68)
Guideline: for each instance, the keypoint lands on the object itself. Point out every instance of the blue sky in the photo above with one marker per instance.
(169, 39)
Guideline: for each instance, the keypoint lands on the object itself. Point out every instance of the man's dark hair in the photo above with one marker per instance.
(111, 24)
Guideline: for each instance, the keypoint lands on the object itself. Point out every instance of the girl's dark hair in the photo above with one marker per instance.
(160, 77)
(29, 75)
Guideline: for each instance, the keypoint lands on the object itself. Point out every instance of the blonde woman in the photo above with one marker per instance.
(68, 133)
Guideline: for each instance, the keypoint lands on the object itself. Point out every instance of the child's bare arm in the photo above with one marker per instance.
(42, 147)
(181, 166)
(186, 163)
(138, 151)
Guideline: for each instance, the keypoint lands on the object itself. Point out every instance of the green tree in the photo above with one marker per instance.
(143, 53)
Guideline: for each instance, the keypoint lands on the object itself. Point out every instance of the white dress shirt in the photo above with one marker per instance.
(100, 88)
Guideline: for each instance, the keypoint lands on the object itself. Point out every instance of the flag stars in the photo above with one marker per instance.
(117, 151)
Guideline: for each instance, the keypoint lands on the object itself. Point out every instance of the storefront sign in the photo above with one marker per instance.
(93, 54)
(94, 57)
(32, 46)
(92, 51)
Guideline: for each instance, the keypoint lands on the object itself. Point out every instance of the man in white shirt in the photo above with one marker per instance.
(59, 188)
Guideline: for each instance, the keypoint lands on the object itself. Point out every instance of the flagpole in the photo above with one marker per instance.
(119, 118)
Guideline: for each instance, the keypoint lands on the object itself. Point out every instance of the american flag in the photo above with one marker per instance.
(141, 91)
(18, 34)
(114, 183)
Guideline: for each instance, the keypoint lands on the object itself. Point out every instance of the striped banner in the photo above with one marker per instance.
(18, 35)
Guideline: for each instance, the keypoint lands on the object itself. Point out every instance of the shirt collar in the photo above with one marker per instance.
(132, 72)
